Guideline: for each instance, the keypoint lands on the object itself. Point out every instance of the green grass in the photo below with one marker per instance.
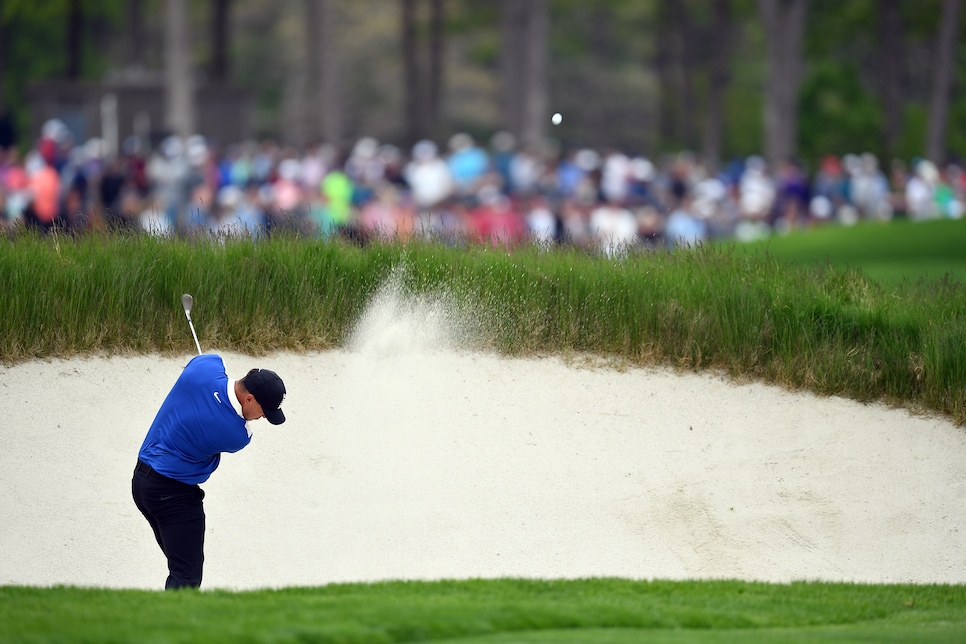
(505, 610)
(828, 328)
(891, 252)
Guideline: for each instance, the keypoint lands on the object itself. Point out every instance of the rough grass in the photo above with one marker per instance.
(825, 328)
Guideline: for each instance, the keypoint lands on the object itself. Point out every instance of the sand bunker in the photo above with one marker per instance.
(415, 461)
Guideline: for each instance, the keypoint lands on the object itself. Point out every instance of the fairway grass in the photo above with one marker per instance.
(502, 610)
(890, 253)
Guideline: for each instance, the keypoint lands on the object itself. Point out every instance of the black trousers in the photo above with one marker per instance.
(177, 515)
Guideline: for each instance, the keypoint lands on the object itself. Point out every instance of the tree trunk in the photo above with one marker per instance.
(3, 71)
(411, 89)
(682, 35)
(512, 39)
(721, 39)
(889, 28)
(220, 32)
(329, 80)
(135, 36)
(784, 22)
(668, 129)
(295, 128)
(942, 81)
(436, 52)
(179, 84)
(535, 84)
(310, 75)
(75, 39)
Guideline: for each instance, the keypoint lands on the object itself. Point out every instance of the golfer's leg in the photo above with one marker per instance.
(176, 513)
(138, 491)
(184, 546)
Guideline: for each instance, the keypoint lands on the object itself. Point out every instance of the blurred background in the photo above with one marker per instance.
(654, 76)
(794, 98)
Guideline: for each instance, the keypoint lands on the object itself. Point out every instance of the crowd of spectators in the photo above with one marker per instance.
(500, 193)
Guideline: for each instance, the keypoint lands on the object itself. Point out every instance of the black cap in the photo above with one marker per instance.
(269, 391)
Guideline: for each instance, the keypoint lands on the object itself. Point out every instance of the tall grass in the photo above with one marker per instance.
(830, 330)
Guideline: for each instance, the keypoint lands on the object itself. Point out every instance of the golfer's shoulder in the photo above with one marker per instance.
(207, 365)
(207, 359)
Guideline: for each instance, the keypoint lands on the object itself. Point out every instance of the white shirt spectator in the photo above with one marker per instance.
(428, 176)
(614, 229)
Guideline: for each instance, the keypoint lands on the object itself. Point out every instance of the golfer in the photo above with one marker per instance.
(206, 413)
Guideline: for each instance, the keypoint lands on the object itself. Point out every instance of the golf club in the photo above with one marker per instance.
(186, 302)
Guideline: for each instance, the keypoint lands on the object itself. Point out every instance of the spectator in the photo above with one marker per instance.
(921, 190)
(44, 186)
(8, 132)
(898, 178)
(541, 222)
(428, 177)
(385, 218)
(948, 199)
(75, 192)
(526, 169)
(829, 189)
(791, 198)
(468, 164)
(613, 228)
(684, 229)
(579, 197)
(503, 146)
(111, 188)
(364, 168)
(494, 220)
(337, 195)
(756, 194)
(16, 186)
(235, 215)
(869, 189)
(615, 177)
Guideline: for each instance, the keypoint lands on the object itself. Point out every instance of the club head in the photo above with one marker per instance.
(186, 302)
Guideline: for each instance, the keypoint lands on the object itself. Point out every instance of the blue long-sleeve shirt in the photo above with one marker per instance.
(196, 423)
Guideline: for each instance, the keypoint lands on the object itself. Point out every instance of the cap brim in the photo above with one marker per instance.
(274, 416)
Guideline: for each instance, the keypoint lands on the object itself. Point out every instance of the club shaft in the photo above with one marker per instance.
(194, 335)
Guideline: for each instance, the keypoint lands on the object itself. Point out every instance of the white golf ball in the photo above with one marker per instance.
(556, 118)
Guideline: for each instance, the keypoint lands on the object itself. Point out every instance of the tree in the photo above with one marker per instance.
(4, 101)
(411, 85)
(315, 111)
(329, 79)
(179, 84)
(668, 115)
(134, 38)
(535, 70)
(676, 63)
(942, 81)
(220, 32)
(525, 30)
(434, 92)
(512, 38)
(889, 30)
(784, 23)
(75, 39)
(720, 42)
(682, 31)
